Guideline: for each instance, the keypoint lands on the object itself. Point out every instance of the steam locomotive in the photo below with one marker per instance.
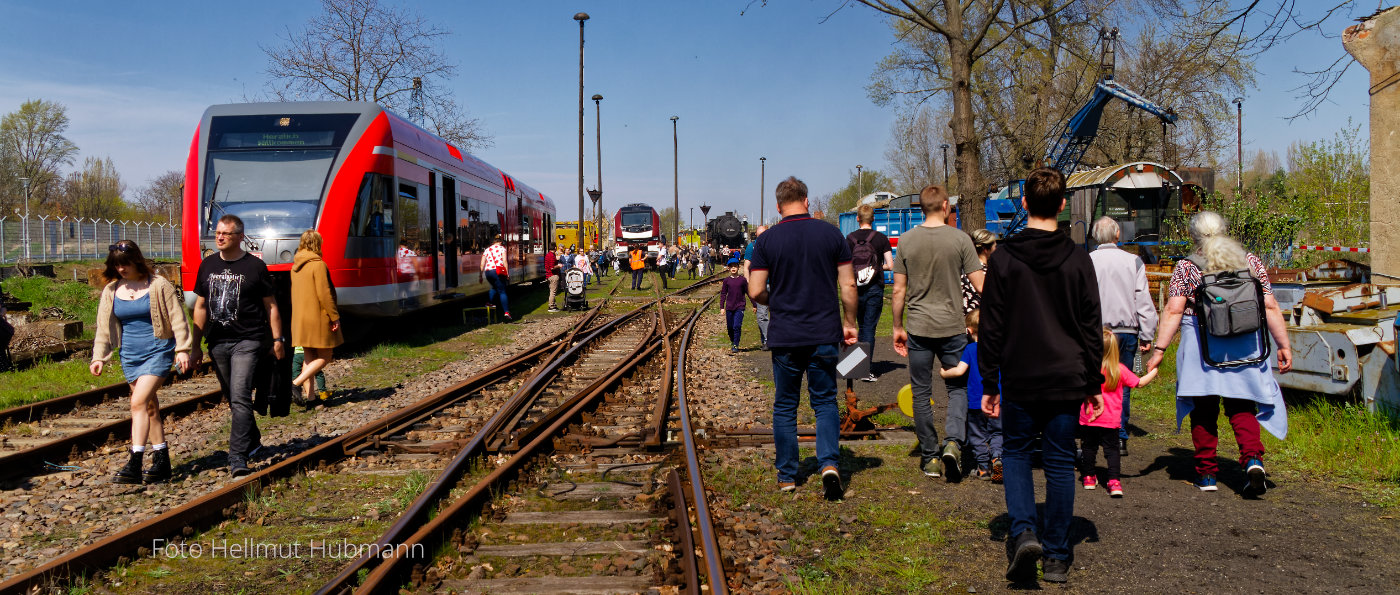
(726, 231)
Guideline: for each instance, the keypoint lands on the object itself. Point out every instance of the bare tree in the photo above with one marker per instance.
(362, 50)
(965, 31)
(32, 146)
(160, 198)
(913, 153)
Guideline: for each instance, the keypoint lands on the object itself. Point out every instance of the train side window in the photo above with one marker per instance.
(374, 212)
(409, 232)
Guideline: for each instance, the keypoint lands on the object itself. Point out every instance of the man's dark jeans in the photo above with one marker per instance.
(236, 365)
(818, 362)
(925, 355)
(1127, 349)
(870, 299)
(1021, 424)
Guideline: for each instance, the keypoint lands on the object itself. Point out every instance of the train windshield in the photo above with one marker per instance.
(271, 171)
(636, 221)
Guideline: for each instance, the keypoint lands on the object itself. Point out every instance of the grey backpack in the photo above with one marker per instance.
(1229, 304)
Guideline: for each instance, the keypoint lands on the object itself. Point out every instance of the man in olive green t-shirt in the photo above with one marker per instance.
(928, 270)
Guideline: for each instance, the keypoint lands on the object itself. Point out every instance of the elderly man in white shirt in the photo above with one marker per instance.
(1126, 302)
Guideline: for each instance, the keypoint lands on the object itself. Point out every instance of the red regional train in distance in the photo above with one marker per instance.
(637, 223)
(405, 216)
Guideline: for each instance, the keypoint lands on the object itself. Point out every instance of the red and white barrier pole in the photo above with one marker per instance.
(1334, 249)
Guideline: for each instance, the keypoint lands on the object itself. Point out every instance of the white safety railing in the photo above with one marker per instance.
(40, 239)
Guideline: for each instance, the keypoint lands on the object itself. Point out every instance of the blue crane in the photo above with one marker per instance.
(1080, 131)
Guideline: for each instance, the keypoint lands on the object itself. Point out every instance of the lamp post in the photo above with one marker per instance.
(676, 171)
(580, 17)
(705, 214)
(860, 184)
(691, 223)
(598, 198)
(25, 182)
(762, 162)
(944, 146)
(1239, 144)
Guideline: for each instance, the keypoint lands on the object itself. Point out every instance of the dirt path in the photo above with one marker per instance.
(1164, 536)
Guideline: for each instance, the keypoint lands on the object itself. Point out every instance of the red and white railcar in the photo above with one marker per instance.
(637, 224)
(404, 214)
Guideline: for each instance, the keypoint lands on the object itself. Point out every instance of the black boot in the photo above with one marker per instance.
(131, 473)
(160, 467)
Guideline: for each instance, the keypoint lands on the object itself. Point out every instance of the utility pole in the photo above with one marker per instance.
(580, 17)
(944, 146)
(1239, 145)
(676, 165)
(762, 187)
(860, 184)
(598, 195)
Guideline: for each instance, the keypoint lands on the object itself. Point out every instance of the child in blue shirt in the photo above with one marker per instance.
(983, 432)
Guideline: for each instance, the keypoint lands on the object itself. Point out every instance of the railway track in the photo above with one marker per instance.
(531, 408)
(42, 436)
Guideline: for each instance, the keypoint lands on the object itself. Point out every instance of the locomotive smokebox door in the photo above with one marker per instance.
(574, 297)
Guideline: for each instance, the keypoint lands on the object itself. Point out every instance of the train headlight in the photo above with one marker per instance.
(284, 256)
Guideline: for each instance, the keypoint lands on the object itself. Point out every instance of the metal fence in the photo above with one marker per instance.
(56, 239)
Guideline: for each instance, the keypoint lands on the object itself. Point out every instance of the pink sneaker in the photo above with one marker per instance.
(1115, 488)
(1090, 482)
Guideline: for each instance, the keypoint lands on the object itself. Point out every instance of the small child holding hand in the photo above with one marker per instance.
(983, 432)
(1100, 428)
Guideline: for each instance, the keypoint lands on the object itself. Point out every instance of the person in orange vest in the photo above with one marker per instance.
(638, 256)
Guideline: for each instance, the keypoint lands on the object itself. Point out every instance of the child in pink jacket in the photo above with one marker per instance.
(1102, 430)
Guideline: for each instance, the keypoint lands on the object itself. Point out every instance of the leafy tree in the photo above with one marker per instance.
(845, 199)
(1334, 179)
(94, 191)
(32, 146)
(362, 50)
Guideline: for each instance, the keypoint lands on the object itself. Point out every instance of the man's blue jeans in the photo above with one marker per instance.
(789, 364)
(1021, 423)
(1127, 349)
(870, 299)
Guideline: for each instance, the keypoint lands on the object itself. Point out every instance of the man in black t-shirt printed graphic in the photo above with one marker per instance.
(236, 314)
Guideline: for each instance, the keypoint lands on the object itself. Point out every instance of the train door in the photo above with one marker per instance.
(522, 233)
(434, 221)
(450, 241)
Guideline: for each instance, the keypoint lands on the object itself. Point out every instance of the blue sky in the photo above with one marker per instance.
(781, 81)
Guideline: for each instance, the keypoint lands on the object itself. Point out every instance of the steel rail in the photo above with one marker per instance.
(25, 462)
(680, 513)
(208, 510)
(519, 403)
(709, 544)
(441, 486)
(30, 412)
(392, 564)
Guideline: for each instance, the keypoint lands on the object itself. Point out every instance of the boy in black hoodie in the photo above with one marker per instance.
(1042, 344)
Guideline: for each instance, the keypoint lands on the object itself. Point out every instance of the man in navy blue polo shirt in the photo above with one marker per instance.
(796, 270)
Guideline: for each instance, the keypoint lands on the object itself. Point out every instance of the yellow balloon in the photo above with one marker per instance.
(906, 400)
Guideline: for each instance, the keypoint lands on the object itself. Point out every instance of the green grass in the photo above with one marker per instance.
(876, 541)
(47, 380)
(77, 299)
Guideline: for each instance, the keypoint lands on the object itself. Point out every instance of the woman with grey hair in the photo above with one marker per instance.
(1250, 394)
(986, 243)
